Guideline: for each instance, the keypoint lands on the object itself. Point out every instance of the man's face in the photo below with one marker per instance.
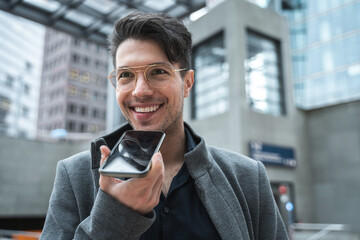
(144, 107)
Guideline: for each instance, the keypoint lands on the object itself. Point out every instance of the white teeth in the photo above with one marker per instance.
(146, 109)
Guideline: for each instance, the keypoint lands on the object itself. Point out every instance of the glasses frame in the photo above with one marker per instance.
(145, 68)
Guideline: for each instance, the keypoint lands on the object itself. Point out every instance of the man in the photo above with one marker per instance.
(192, 191)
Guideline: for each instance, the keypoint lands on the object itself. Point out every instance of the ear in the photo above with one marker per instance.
(188, 82)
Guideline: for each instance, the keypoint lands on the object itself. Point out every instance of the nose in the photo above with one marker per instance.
(142, 89)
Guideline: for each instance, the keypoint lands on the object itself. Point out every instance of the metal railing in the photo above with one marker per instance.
(312, 231)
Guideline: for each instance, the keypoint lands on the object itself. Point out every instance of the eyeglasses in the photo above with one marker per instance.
(157, 75)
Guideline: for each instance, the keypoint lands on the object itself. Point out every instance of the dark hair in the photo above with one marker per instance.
(170, 33)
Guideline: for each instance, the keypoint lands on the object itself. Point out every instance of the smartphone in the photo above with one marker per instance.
(131, 156)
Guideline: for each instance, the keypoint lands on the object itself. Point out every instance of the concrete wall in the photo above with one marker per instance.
(334, 151)
(234, 129)
(27, 174)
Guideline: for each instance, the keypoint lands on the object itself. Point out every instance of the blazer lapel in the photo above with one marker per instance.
(216, 194)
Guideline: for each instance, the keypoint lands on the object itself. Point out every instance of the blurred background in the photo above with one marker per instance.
(276, 80)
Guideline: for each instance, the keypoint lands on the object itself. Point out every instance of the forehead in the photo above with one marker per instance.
(133, 52)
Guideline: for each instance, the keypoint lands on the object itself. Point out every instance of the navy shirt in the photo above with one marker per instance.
(181, 215)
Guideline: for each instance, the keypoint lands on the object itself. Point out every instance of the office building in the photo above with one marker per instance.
(325, 46)
(20, 72)
(325, 42)
(73, 86)
(242, 98)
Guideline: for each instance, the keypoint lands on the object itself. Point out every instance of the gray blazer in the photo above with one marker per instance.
(234, 189)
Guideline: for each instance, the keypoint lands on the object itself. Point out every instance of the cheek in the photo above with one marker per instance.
(176, 95)
(120, 100)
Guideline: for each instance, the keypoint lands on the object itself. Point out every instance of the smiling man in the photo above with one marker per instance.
(193, 191)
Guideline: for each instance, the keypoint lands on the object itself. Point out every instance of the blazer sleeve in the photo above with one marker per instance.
(271, 225)
(108, 219)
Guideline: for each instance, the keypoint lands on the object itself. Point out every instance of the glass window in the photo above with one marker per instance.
(72, 108)
(82, 127)
(71, 126)
(74, 73)
(5, 105)
(93, 128)
(72, 90)
(83, 111)
(75, 58)
(26, 89)
(85, 77)
(95, 113)
(76, 41)
(263, 76)
(9, 81)
(211, 89)
(85, 93)
(86, 60)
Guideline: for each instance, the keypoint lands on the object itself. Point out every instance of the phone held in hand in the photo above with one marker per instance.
(131, 156)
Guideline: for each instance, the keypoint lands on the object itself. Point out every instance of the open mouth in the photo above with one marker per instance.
(146, 109)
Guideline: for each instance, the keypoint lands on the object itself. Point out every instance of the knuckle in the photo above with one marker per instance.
(156, 201)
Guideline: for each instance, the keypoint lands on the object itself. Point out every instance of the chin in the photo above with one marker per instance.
(146, 127)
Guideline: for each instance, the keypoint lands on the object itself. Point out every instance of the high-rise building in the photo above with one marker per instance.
(325, 43)
(73, 85)
(21, 46)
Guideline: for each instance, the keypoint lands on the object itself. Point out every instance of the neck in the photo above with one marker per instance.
(173, 147)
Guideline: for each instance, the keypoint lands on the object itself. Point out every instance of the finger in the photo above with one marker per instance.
(157, 166)
(104, 181)
(151, 179)
(157, 188)
(160, 177)
(105, 151)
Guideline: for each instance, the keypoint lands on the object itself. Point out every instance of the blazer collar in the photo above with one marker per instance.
(109, 140)
(197, 144)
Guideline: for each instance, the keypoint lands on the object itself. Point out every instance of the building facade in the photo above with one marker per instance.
(20, 72)
(325, 46)
(325, 42)
(74, 83)
(242, 98)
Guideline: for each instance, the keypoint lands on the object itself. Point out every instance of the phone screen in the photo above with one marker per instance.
(131, 156)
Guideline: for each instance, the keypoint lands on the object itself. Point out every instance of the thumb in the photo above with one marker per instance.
(157, 165)
(105, 151)
(104, 182)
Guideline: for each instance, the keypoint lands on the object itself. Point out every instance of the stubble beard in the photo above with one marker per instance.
(170, 124)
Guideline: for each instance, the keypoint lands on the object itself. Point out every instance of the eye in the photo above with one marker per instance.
(158, 71)
(126, 74)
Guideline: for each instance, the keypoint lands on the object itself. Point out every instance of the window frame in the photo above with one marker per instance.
(280, 75)
(194, 96)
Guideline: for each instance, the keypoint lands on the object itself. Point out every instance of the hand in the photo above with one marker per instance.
(139, 194)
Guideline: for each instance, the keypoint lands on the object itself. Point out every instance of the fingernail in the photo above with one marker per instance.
(158, 156)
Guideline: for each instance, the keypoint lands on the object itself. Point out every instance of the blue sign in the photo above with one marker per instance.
(272, 154)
